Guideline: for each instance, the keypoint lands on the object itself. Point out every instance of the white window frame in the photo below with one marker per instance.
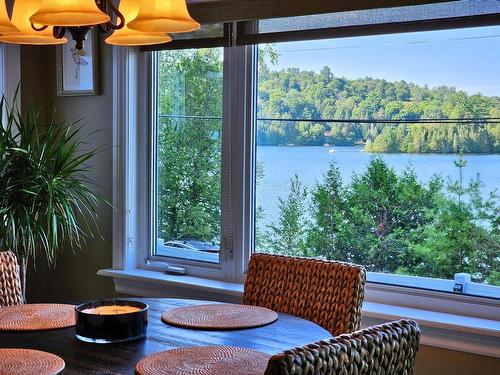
(133, 215)
(209, 270)
(134, 160)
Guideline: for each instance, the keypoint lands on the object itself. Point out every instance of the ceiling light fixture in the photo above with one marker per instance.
(128, 37)
(170, 16)
(69, 13)
(135, 22)
(6, 25)
(23, 32)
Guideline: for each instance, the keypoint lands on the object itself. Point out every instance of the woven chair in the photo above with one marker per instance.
(388, 349)
(10, 282)
(325, 292)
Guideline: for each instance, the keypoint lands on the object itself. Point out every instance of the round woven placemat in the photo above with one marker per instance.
(26, 361)
(36, 317)
(204, 360)
(219, 316)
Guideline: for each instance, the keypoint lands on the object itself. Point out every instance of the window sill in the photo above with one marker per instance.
(442, 330)
(439, 329)
(146, 283)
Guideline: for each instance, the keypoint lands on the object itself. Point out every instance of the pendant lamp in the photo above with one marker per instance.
(164, 16)
(26, 34)
(69, 13)
(6, 25)
(127, 37)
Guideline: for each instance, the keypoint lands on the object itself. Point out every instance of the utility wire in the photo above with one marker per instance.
(482, 120)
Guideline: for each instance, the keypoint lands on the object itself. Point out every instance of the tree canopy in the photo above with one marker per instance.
(391, 223)
(298, 94)
(189, 144)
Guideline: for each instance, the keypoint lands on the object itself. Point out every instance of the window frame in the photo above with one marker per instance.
(133, 88)
(134, 158)
(191, 267)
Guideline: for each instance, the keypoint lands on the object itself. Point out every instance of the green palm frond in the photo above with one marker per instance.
(47, 199)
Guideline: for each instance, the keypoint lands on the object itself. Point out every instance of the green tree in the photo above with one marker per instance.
(328, 211)
(463, 235)
(189, 143)
(392, 223)
(384, 209)
(287, 235)
(259, 211)
(387, 141)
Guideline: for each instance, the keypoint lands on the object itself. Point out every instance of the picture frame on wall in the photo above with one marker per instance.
(78, 71)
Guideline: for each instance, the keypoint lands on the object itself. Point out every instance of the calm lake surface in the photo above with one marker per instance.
(310, 163)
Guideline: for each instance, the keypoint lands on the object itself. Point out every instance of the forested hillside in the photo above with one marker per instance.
(297, 94)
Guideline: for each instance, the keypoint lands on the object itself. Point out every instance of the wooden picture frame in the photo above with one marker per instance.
(78, 71)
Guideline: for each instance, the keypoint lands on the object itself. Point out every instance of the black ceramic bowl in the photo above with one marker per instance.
(108, 329)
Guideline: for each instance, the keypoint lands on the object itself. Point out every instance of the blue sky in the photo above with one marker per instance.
(468, 59)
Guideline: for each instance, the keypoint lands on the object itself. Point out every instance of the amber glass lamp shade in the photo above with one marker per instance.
(127, 37)
(163, 16)
(6, 25)
(26, 34)
(69, 13)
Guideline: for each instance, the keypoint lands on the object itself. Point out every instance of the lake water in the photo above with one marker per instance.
(310, 163)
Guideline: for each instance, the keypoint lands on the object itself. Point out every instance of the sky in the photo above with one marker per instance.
(468, 59)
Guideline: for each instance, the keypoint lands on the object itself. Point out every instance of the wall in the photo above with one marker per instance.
(435, 361)
(74, 277)
(75, 274)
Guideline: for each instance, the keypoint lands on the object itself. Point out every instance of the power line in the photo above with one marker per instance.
(403, 121)
(482, 120)
(386, 44)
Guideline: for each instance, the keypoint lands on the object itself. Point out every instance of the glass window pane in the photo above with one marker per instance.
(384, 151)
(189, 131)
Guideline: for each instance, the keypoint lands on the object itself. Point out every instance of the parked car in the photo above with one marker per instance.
(192, 244)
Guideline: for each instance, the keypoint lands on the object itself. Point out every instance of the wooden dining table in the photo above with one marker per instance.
(113, 359)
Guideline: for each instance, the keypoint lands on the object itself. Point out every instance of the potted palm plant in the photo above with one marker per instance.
(46, 198)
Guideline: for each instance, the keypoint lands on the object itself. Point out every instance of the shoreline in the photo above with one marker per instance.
(361, 147)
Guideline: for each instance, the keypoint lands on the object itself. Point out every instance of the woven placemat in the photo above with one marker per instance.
(219, 316)
(26, 361)
(36, 317)
(204, 360)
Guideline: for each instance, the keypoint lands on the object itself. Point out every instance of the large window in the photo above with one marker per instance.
(378, 150)
(367, 147)
(384, 151)
(188, 153)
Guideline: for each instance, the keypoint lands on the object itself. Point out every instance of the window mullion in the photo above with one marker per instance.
(237, 160)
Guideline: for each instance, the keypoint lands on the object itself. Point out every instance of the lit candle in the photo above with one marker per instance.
(111, 321)
(111, 310)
